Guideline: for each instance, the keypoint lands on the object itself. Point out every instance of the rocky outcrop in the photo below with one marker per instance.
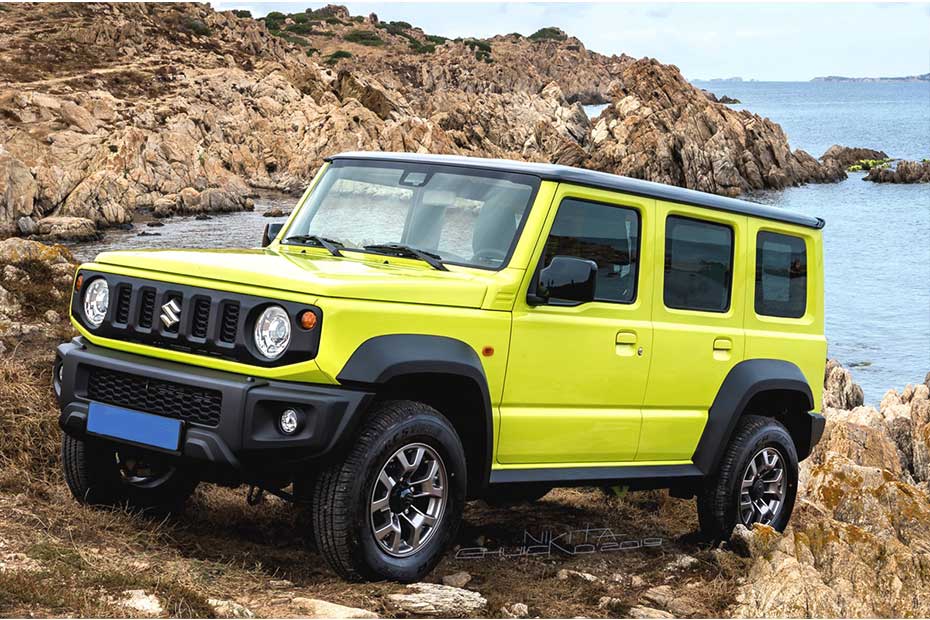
(839, 389)
(660, 127)
(846, 156)
(35, 286)
(858, 540)
(722, 99)
(176, 108)
(902, 172)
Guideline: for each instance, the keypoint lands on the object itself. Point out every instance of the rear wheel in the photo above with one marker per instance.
(103, 474)
(757, 481)
(391, 508)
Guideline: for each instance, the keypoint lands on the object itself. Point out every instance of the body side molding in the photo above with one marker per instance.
(745, 380)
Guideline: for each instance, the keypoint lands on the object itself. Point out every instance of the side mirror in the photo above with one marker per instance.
(271, 231)
(567, 279)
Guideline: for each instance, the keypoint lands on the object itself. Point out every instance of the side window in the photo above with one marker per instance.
(606, 234)
(698, 265)
(781, 275)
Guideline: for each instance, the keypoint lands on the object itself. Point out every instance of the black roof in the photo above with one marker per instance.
(600, 180)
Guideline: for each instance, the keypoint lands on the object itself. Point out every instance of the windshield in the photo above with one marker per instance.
(455, 214)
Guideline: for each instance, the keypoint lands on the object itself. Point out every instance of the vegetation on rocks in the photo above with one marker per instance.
(548, 34)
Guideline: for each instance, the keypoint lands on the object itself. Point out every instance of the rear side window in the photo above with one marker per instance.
(606, 234)
(698, 265)
(781, 275)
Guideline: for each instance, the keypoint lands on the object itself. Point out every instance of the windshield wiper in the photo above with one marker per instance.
(331, 245)
(408, 251)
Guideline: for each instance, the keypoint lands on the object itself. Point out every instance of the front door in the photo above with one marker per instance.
(576, 373)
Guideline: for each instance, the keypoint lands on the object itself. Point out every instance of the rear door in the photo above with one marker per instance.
(576, 374)
(700, 272)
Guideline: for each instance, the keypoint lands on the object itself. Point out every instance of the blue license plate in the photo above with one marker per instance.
(141, 428)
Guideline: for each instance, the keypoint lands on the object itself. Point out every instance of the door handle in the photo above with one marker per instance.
(723, 344)
(626, 337)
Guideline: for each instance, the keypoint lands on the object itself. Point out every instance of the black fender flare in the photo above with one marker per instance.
(382, 358)
(745, 380)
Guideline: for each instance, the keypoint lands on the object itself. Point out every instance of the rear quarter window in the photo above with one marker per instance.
(781, 275)
(698, 265)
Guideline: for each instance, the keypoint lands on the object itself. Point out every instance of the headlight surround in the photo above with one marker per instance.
(96, 301)
(273, 332)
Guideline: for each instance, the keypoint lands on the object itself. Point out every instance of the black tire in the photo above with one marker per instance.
(94, 476)
(718, 502)
(341, 504)
(504, 495)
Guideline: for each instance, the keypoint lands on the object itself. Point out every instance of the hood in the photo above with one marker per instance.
(371, 277)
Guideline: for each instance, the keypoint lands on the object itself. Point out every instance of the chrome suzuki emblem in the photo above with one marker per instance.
(171, 313)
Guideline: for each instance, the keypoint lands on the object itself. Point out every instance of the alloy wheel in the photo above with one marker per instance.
(763, 488)
(408, 499)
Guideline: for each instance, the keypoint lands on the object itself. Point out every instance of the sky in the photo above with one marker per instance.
(778, 41)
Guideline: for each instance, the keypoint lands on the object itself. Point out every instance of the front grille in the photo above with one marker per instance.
(147, 309)
(164, 398)
(230, 322)
(123, 297)
(201, 319)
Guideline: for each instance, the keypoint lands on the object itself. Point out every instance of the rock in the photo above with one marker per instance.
(229, 609)
(52, 317)
(839, 389)
(637, 582)
(27, 226)
(67, 229)
(639, 611)
(846, 156)
(18, 562)
(457, 580)
(660, 127)
(438, 600)
(16, 250)
(901, 172)
(315, 608)
(280, 584)
(609, 603)
(155, 224)
(664, 597)
(566, 573)
(516, 610)
(141, 602)
(683, 562)
(753, 542)
(724, 99)
(275, 212)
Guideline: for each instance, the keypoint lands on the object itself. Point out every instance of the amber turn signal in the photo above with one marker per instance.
(307, 320)
(79, 281)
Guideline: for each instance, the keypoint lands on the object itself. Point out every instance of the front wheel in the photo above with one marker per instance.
(391, 508)
(757, 481)
(99, 473)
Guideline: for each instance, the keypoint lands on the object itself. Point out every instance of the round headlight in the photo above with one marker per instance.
(96, 301)
(273, 332)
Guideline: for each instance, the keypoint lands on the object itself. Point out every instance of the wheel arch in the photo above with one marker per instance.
(766, 387)
(440, 371)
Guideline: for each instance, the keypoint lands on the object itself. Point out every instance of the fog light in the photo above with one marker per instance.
(289, 422)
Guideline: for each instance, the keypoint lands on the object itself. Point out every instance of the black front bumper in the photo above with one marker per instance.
(245, 438)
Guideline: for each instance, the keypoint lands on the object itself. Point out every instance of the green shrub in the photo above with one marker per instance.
(435, 38)
(364, 37)
(420, 47)
(195, 26)
(335, 20)
(293, 38)
(305, 28)
(548, 34)
(476, 44)
(312, 50)
(242, 13)
(335, 56)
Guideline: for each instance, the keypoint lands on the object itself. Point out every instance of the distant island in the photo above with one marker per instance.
(925, 77)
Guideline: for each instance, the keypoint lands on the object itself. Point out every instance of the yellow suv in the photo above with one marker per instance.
(426, 330)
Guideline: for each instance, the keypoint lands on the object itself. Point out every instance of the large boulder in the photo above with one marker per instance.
(846, 156)
(661, 128)
(839, 389)
(902, 172)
